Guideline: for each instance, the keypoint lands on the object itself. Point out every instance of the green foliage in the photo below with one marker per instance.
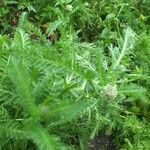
(23, 81)
(70, 70)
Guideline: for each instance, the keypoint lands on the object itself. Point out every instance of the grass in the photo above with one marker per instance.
(73, 72)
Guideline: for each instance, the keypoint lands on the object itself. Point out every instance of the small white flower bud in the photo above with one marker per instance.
(69, 7)
(110, 91)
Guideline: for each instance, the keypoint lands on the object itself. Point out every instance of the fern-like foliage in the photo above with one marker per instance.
(43, 140)
(33, 91)
(75, 70)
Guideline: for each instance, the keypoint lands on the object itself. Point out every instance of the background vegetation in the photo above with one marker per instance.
(72, 71)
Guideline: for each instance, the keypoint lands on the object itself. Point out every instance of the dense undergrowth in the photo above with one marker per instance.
(71, 70)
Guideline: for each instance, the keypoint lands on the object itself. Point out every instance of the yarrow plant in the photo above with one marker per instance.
(74, 75)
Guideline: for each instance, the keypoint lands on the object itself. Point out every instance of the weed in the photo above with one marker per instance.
(72, 72)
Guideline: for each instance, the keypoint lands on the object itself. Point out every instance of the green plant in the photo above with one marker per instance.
(34, 85)
(92, 79)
